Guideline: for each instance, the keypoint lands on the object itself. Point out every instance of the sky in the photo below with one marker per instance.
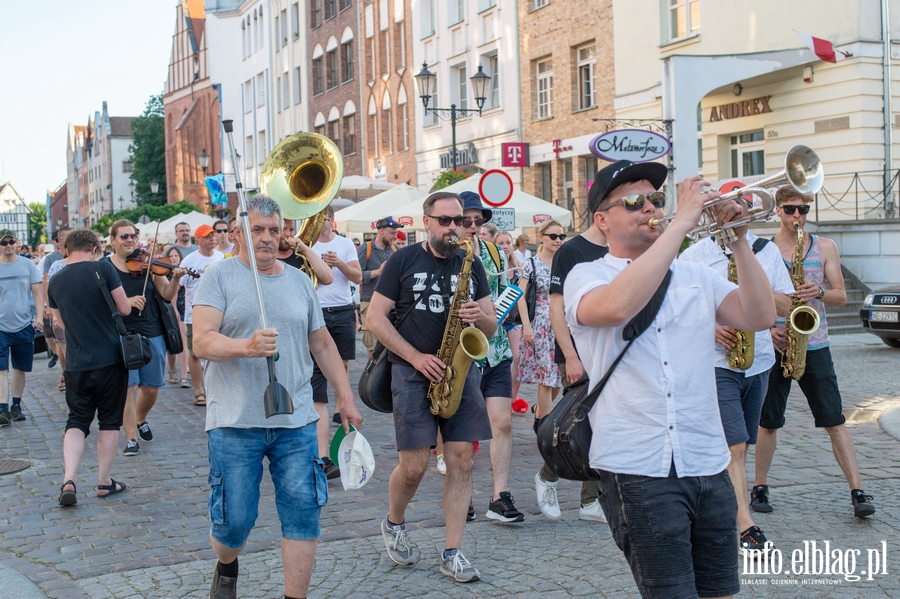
(59, 60)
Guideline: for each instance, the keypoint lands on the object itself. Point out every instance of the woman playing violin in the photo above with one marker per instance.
(145, 318)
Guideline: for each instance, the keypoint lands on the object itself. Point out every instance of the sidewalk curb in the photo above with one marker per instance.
(18, 585)
(890, 422)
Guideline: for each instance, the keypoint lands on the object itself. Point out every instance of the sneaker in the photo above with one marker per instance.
(504, 509)
(397, 543)
(470, 515)
(144, 432)
(458, 567)
(862, 504)
(16, 413)
(132, 447)
(546, 497)
(336, 419)
(331, 469)
(593, 512)
(4, 417)
(759, 499)
(53, 360)
(223, 587)
(753, 539)
(441, 465)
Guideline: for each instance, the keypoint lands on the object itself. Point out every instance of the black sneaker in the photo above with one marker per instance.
(144, 432)
(470, 515)
(504, 509)
(53, 360)
(862, 504)
(331, 469)
(759, 499)
(131, 448)
(336, 419)
(753, 539)
(223, 587)
(4, 417)
(16, 414)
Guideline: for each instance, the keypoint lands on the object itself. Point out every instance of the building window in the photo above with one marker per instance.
(243, 39)
(318, 76)
(428, 18)
(492, 71)
(747, 154)
(286, 90)
(545, 89)
(457, 12)
(387, 132)
(320, 130)
(546, 182)
(315, 13)
(434, 102)
(344, 4)
(350, 134)
(372, 135)
(536, 4)
(330, 9)
(684, 18)
(248, 150)
(586, 92)
(295, 20)
(127, 166)
(278, 98)
(248, 96)
(347, 55)
(297, 94)
(331, 69)
(405, 132)
(590, 168)
(284, 27)
(263, 148)
(461, 98)
(335, 132)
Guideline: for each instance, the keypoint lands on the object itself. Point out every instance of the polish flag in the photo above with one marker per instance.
(823, 48)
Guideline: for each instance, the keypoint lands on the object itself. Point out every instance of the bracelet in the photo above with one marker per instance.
(821, 293)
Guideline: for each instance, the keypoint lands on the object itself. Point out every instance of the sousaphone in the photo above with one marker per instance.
(303, 175)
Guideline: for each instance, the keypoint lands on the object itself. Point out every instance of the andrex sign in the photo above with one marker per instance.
(735, 110)
(636, 145)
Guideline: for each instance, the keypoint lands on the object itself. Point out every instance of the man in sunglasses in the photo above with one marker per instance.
(496, 368)
(821, 265)
(418, 282)
(658, 445)
(223, 239)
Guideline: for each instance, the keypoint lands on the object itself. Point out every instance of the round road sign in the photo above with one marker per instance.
(495, 187)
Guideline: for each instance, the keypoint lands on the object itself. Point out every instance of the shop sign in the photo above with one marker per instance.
(464, 156)
(738, 109)
(558, 148)
(515, 154)
(636, 145)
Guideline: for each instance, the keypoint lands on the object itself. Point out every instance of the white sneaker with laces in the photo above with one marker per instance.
(441, 465)
(592, 511)
(458, 567)
(397, 543)
(546, 497)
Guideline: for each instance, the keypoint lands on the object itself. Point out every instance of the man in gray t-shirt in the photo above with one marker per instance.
(226, 333)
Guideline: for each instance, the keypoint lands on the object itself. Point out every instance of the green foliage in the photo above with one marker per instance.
(448, 178)
(37, 224)
(159, 213)
(148, 152)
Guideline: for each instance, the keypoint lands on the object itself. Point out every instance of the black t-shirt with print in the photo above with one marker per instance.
(404, 279)
(574, 252)
(147, 322)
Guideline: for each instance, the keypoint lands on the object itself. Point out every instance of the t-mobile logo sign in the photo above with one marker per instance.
(515, 154)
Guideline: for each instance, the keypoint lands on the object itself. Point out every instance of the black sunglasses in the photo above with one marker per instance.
(221, 230)
(6, 243)
(635, 201)
(445, 221)
(127, 236)
(476, 221)
(791, 209)
(555, 236)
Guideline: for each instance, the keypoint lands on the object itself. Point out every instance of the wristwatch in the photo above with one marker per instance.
(821, 292)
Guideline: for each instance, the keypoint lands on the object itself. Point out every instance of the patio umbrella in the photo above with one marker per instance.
(362, 216)
(364, 187)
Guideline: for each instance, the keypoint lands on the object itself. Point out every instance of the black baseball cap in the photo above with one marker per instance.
(622, 172)
(388, 221)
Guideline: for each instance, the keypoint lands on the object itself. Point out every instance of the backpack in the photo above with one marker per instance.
(394, 248)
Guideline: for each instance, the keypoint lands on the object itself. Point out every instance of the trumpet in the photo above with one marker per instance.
(802, 170)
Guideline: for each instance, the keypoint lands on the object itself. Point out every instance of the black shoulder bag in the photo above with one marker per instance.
(174, 342)
(531, 292)
(564, 435)
(136, 352)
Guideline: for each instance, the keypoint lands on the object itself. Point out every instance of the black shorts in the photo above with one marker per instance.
(819, 385)
(102, 392)
(341, 325)
(496, 381)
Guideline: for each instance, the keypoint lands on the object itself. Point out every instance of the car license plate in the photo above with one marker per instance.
(883, 316)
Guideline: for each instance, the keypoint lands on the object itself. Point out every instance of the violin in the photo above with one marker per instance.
(139, 261)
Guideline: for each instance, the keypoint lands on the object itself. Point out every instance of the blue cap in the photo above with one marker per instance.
(387, 222)
(471, 201)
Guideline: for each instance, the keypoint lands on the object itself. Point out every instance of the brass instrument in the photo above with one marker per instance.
(741, 355)
(303, 175)
(802, 170)
(460, 345)
(802, 322)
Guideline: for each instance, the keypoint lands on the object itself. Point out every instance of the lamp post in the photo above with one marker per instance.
(427, 81)
(121, 203)
(131, 185)
(204, 161)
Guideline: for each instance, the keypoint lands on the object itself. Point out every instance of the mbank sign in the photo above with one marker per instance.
(636, 145)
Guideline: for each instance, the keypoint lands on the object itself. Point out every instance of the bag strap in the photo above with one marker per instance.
(495, 254)
(368, 249)
(101, 283)
(759, 244)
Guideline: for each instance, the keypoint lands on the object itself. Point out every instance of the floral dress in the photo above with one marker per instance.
(536, 361)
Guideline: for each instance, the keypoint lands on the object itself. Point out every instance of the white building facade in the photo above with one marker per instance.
(109, 165)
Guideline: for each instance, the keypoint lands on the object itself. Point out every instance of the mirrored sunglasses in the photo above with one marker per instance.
(635, 201)
(127, 236)
(791, 209)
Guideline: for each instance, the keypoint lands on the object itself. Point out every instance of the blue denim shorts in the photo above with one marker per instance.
(153, 374)
(740, 401)
(235, 472)
(21, 345)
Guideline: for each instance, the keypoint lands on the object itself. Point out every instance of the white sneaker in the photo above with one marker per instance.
(593, 512)
(458, 567)
(546, 497)
(441, 466)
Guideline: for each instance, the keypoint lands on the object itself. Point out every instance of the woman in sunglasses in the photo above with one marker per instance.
(537, 365)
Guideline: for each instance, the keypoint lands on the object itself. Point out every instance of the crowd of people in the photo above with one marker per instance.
(671, 429)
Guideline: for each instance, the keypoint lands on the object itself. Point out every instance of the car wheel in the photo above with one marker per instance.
(891, 341)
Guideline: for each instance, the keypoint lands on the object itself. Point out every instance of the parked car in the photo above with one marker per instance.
(880, 315)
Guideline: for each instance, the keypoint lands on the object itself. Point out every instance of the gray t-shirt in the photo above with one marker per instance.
(185, 251)
(235, 388)
(16, 280)
(50, 258)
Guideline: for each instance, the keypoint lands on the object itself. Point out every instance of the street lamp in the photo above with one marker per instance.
(121, 203)
(204, 160)
(427, 81)
(131, 185)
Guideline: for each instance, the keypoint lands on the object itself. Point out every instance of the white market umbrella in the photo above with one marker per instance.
(531, 211)
(362, 216)
(194, 219)
(364, 187)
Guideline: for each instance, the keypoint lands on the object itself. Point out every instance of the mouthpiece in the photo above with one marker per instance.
(655, 222)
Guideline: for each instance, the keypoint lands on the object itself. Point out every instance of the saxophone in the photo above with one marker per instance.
(741, 355)
(460, 345)
(801, 322)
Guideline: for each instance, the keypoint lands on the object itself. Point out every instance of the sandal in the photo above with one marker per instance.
(185, 383)
(112, 488)
(198, 401)
(67, 498)
(173, 379)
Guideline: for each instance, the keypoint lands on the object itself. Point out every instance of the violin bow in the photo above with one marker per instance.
(149, 264)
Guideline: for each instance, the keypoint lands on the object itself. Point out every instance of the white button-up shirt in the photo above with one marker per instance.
(708, 252)
(659, 406)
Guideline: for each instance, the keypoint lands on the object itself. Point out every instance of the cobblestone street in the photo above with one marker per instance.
(152, 541)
